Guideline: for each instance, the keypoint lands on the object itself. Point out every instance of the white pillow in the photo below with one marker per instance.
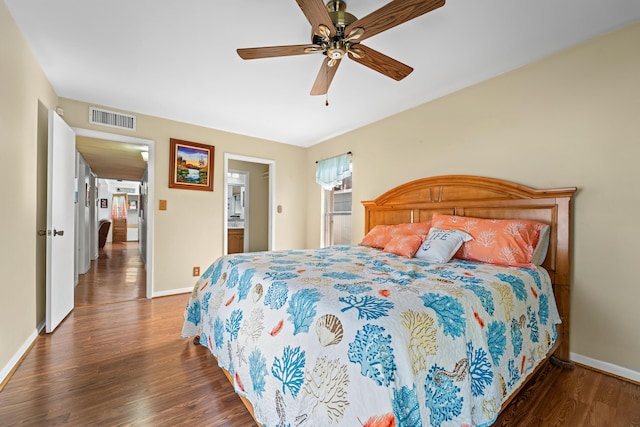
(540, 251)
(441, 245)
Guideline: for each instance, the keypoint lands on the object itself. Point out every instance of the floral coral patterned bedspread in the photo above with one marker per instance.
(354, 336)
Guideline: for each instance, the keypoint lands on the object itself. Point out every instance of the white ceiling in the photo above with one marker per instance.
(177, 59)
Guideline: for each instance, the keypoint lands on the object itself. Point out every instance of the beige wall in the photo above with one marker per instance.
(23, 86)
(189, 232)
(572, 119)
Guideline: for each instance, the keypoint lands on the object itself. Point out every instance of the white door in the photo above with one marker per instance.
(60, 221)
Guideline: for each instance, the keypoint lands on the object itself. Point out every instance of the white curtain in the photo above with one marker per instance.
(330, 172)
(119, 207)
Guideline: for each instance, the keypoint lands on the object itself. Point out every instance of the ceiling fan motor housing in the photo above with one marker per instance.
(339, 15)
(336, 47)
(342, 19)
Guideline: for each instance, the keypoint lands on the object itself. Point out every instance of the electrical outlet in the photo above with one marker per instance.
(196, 271)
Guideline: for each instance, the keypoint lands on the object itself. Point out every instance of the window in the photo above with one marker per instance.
(337, 214)
(334, 175)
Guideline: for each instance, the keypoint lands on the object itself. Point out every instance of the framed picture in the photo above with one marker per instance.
(191, 165)
(104, 203)
(133, 205)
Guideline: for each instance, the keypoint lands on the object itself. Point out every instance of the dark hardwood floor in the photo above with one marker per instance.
(118, 360)
(577, 397)
(117, 275)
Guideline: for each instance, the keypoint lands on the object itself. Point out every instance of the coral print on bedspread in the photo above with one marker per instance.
(355, 336)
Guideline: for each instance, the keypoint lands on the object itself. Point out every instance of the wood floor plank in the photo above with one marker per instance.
(119, 263)
(118, 360)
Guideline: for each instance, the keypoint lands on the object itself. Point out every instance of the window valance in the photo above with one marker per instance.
(330, 172)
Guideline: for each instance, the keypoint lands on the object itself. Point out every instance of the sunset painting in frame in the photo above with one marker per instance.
(191, 165)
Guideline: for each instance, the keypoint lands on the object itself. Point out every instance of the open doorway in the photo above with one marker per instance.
(248, 211)
(86, 193)
(238, 207)
(138, 203)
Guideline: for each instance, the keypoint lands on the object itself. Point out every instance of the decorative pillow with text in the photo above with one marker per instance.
(441, 245)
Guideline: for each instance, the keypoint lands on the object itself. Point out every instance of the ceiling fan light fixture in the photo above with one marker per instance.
(356, 52)
(336, 49)
(312, 49)
(355, 34)
(323, 32)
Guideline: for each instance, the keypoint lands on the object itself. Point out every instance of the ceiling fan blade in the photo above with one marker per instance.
(324, 78)
(382, 63)
(273, 51)
(317, 14)
(392, 14)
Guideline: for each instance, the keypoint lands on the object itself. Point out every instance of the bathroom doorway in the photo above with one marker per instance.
(238, 203)
(248, 192)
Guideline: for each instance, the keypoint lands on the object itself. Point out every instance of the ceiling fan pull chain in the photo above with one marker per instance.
(326, 95)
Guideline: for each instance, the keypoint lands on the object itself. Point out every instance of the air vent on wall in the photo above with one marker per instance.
(98, 116)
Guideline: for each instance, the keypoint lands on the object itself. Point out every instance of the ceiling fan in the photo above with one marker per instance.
(336, 33)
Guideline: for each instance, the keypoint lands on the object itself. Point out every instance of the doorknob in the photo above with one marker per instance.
(58, 233)
(42, 232)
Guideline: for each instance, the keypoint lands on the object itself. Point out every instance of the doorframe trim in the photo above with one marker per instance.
(150, 189)
(272, 189)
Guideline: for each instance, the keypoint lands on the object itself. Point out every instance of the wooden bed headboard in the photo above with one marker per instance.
(482, 197)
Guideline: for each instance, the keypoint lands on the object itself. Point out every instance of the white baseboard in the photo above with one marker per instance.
(606, 367)
(173, 292)
(6, 370)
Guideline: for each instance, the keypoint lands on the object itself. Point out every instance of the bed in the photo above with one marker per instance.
(357, 335)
